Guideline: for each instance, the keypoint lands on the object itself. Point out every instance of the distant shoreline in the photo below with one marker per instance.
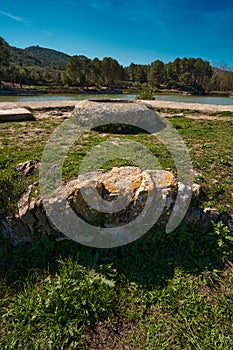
(28, 92)
(50, 90)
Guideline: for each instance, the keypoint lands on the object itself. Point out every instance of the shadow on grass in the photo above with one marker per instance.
(149, 261)
(118, 128)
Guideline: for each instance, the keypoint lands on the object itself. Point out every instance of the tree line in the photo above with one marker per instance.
(193, 75)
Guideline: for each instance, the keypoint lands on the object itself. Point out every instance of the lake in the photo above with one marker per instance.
(161, 97)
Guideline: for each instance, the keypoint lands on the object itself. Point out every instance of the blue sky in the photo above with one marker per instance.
(130, 31)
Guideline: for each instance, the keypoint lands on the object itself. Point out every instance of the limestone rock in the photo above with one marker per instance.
(15, 114)
(28, 168)
(197, 190)
(115, 114)
(124, 189)
(106, 200)
(109, 199)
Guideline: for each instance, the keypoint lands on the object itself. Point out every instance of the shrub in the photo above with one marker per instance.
(146, 95)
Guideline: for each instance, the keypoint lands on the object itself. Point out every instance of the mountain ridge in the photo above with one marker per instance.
(39, 56)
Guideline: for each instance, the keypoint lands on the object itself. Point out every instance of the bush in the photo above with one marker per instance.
(146, 95)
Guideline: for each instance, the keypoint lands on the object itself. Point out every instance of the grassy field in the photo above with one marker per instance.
(164, 291)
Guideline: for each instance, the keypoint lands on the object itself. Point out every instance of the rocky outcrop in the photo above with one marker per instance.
(122, 192)
(29, 222)
(110, 199)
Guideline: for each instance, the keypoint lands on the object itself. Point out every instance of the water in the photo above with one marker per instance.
(160, 97)
(65, 97)
(196, 99)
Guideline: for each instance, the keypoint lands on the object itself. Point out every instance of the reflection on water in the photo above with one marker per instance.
(64, 97)
(160, 97)
(196, 99)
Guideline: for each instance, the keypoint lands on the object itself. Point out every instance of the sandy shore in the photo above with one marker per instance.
(38, 105)
(191, 106)
(69, 105)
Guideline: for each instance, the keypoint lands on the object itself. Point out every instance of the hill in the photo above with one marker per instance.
(39, 56)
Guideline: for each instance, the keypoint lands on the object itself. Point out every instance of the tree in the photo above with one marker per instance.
(221, 80)
(194, 74)
(11, 73)
(4, 58)
(77, 70)
(111, 72)
(191, 74)
(156, 73)
(131, 72)
(95, 72)
(171, 76)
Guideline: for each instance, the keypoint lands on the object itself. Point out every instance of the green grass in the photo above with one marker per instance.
(210, 145)
(209, 142)
(164, 291)
(174, 111)
(222, 114)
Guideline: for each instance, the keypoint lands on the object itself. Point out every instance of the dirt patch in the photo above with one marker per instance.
(56, 114)
(39, 105)
(191, 106)
(124, 336)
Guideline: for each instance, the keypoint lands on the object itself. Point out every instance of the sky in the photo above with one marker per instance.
(129, 31)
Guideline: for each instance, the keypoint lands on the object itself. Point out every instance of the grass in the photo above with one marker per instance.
(210, 146)
(174, 111)
(222, 114)
(209, 142)
(164, 291)
(159, 292)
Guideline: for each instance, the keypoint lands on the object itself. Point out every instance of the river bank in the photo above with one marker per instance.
(46, 105)
(27, 90)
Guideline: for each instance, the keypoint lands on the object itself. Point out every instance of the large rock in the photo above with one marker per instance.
(120, 193)
(105, 200)
(117, 116)
(109, 199)
(15, 114)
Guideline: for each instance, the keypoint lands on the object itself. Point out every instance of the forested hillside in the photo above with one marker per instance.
(39, 56)
(37, 66)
